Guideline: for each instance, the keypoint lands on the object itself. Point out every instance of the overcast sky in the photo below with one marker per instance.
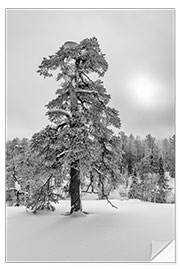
(139, 47)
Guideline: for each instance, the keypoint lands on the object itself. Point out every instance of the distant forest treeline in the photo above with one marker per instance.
(151, 165)
(136, 151)
(144, 167)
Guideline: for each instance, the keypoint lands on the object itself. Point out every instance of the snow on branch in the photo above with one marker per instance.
(62, 154)
(84, 91)
(61, 93)
(86, 77)
(60, 111)
(61, 125)
(87, 91)
(49, 178)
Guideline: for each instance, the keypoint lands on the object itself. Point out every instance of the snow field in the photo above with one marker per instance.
(105, 234)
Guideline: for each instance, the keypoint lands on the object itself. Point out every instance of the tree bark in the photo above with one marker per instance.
(75, 188)
(17, 198)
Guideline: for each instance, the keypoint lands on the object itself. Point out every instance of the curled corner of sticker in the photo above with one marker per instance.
(162, 251)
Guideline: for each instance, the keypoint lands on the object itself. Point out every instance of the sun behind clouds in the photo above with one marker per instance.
(145, 90)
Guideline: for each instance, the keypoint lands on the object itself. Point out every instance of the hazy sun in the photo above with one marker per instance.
(144, 90)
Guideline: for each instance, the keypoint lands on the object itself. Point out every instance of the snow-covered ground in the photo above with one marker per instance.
(105, 234)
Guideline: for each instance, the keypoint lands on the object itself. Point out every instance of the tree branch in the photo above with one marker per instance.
(90, 92)
(45, 182)
(60, 111)
(105, 195)
(61, 125)
(62, 153)
(87, 91)
(62, 93)
(90, 185)
(86, 76)
(90, 192)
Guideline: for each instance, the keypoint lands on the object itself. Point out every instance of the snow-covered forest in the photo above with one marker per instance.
(146, 172)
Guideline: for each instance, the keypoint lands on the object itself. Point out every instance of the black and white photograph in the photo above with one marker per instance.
(90, 135)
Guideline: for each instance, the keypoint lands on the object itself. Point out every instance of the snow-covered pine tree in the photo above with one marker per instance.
(138, 149)
(43, 196)
(172, 156)
(130, 154)
(123, 138)
(167, 150)
(164, 146)
(41, 188)
(81, 118)
(163, 187)
(133, 192)
(148, 169)
(153, 176)
(16, 171)
(143, 169)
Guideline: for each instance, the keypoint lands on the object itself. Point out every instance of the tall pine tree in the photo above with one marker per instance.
(80, 140)
(163, 186)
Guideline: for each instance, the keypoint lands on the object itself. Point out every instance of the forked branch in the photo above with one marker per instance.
(105, 195)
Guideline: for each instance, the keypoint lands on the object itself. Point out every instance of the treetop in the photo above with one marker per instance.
(86, 56)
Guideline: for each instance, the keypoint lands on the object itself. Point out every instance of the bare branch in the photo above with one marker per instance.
(110, 202)
(86, 191)
(105, 195)
(90, 185)
(90, 192)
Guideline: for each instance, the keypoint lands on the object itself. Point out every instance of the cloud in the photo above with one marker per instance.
(136, 42)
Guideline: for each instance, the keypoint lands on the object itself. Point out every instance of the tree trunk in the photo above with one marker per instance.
(75, 170)
(75, 188)
(17, 198)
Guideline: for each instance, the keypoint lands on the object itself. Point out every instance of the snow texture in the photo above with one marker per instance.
(103, 234)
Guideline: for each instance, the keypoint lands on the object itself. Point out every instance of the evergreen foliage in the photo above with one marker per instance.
(152, 184)
(163, 187)
(31, 169)
(43, 197)
(17, 175)
(133, 192)
(79, 141)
